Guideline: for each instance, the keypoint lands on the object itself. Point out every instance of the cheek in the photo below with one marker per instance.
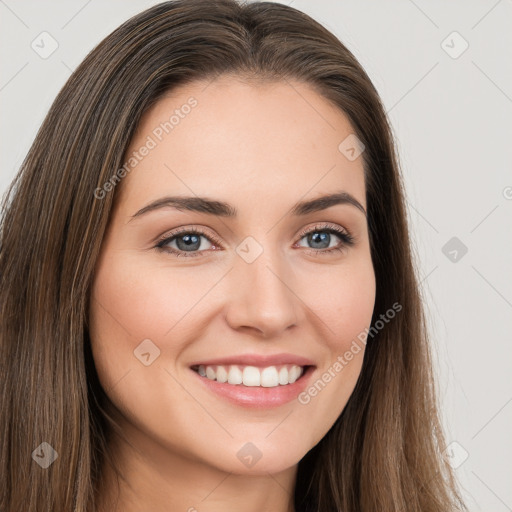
(344, 301)
(129, 304)
(343, 311)
(135, 302)
(132, 302)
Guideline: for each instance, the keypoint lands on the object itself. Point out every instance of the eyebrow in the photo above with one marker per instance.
(222, 209)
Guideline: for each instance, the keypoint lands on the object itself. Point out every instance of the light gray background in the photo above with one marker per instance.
(453, 122)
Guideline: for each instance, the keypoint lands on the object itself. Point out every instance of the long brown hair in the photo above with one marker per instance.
(384, 452)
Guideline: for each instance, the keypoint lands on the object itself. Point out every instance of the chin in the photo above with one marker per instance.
(251, 458)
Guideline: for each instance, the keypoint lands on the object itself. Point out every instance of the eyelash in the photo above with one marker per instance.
(347, 240)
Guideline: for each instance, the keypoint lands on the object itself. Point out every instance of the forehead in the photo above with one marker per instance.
(263, 142)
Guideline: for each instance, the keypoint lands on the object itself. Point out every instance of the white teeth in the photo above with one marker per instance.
(269, 377)
(251, 376)
(283, 375)
(234, 375)
(293, 374)
(222, 374)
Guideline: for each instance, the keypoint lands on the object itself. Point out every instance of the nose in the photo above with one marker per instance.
(262, 299)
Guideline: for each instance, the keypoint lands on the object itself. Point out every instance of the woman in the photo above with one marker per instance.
(173, 336)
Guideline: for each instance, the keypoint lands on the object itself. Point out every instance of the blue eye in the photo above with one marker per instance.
(322, 236)
(188, 241)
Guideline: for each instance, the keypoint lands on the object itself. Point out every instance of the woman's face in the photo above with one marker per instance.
(258, 290)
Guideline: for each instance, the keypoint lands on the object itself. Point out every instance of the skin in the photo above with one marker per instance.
(260, 147)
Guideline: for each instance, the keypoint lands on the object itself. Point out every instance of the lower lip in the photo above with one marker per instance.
(257, 396)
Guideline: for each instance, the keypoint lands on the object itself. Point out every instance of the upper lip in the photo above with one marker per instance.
(258, 360)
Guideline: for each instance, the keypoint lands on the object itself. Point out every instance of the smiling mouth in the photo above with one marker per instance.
(252, 376)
